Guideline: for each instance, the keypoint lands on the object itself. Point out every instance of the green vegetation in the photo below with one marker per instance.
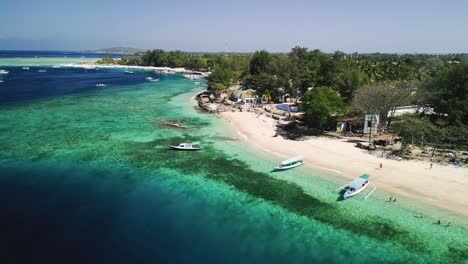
(320, 106)
(361, 83)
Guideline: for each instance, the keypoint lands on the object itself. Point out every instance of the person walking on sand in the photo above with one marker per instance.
(381, 165)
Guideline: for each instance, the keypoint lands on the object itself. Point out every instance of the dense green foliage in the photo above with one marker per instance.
(449, 91)
(321, 106)
(361, 83)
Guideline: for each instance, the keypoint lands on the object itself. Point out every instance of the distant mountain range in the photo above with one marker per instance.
(121, 50)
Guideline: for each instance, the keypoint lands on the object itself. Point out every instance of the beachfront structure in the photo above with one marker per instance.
(353, 124)
(371, 123)
(410, 109)
(247, 96)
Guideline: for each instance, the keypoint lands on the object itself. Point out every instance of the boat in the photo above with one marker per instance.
(100, 85)
(129, 72)
(290, 163)
(1, 81)
(26, 68)
(4, 72)
(187, 146)
(41, 71)
(177, 125)
(356, 186)
(151, 79)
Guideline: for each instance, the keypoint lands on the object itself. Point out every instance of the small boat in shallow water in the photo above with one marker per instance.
(100, 85)
(290, 163)
(187, 146)
(129, 72)
(41, 71)
(4, 72)
(26, 68)
(356, 186)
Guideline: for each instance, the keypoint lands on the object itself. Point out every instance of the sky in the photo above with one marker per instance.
(390, 26)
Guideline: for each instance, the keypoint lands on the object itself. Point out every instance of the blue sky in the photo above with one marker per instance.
(401, 26)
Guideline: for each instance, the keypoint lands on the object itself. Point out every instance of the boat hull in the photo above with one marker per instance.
(347, 194)
(187, 149)
(288, 167)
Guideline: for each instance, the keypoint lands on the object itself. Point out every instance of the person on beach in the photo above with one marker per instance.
(381, 165)
(394, 200)
(430, 166)
(448, 223)
(390, 199)
(421, 215)
(438, 221)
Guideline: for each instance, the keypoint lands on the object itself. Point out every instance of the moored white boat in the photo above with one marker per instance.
(4, 72)
(100, 85)
(129, 72)
(356, 186)
(25, 68)
(290, 163)
(187, 146)
(42, 71)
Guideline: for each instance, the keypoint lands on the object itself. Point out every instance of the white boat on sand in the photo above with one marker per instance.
(187, 146)
(290, 163)
(356, 186)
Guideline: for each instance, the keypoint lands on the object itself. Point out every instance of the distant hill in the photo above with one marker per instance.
(122, 50)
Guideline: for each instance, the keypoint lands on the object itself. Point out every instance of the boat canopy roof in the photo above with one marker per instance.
(291, 160)
(358, 182)
(192, 143)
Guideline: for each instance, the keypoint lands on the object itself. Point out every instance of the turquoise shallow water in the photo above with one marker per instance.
(88, 176)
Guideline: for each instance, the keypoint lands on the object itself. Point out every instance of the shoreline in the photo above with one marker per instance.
(442, 187)
(168, 70)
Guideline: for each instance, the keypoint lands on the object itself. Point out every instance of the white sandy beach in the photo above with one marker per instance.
(442, 186)
(150, 68)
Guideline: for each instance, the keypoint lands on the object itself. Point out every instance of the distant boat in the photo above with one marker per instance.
(4, 72)
(187, 146)
(151, 79)
(290, 163)
(356, 186)
(41, 71)
(100, 85)
(1, 81)
(177, 125)
(129, 72)
(26, 68)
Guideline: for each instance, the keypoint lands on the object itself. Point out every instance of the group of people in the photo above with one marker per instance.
(391, 199)
(438, 222)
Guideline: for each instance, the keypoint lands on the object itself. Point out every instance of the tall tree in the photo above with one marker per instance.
(321, 106)
(450, 93)
(381, 99)
(260, 62)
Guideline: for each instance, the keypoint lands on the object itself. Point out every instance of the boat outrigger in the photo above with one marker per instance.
(187, 146)
(290, 163)
(356, 186)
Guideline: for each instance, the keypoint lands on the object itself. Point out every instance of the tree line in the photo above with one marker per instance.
(338, 84)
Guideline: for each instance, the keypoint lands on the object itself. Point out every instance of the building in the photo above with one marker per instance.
(247, 96)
